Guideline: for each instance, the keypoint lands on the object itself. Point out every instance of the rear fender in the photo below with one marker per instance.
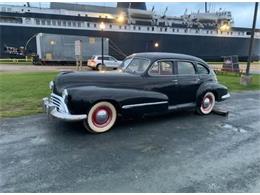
(218, 90)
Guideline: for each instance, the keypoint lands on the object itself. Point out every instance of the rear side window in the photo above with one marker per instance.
(112, 59)
(202, 69)
(185, 68)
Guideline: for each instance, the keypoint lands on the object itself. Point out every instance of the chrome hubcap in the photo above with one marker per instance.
(102, 116)
(206, 102)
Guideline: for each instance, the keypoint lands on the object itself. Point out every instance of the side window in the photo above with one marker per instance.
(185, 68)
(202, 69)
(162, 68)
(105, 58)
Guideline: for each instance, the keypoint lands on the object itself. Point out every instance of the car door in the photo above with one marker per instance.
(162, 78)
(188, 81)
(107, 61)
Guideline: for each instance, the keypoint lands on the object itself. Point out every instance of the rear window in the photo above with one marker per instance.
(112, 59)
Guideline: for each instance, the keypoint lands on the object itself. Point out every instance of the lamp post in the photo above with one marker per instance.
(102, 27)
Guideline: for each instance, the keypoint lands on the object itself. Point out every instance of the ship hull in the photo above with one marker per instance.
(210, 48)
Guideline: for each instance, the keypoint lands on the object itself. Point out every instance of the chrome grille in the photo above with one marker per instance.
(58, 103)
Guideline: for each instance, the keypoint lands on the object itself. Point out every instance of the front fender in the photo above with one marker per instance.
(218, 89)
(81, 99)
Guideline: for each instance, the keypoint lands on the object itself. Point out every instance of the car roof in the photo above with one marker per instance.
(164, 55)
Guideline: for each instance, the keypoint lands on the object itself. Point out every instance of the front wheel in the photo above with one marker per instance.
(101, 117)
(206, 104)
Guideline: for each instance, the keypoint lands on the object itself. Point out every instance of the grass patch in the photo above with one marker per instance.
(21, 93)
(232, 81)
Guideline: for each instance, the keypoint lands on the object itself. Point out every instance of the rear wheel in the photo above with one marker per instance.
(100, 67)
(101, 117)
(206, 104)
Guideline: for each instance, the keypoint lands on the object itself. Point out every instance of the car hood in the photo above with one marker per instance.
(110, 79)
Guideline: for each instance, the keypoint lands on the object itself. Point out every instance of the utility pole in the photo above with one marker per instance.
(251, 40)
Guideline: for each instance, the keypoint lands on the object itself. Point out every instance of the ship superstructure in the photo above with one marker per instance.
(130, 29)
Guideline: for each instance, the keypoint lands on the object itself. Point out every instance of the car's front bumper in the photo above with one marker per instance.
(51, 107)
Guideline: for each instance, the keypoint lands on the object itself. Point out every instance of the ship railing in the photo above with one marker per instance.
(15, 60)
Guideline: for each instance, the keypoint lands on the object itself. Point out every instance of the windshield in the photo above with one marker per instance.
(137, 65)
(125, 63)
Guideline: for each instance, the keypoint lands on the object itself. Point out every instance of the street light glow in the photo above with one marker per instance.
(121, 18)
(156, 44)
(52, 42)
(102, 26)
(225, 28)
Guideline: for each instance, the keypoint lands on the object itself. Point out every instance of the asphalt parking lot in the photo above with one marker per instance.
(180, 152)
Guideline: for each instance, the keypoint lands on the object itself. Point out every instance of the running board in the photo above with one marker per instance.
(182, 106)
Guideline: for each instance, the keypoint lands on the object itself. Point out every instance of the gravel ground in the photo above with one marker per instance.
(179, 152)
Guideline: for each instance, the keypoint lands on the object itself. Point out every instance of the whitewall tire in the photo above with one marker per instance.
(207, 103)
(101, 117)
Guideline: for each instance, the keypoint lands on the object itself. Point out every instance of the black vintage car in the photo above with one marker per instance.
(148, 83)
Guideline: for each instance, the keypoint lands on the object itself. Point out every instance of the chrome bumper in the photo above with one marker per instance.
(56, 107)
(225, 96)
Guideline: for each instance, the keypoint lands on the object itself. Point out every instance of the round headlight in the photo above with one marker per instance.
(51, 85)
(64, 93)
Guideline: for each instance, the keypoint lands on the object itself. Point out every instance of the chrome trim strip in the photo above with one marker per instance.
(143, 104)
(225, 96)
